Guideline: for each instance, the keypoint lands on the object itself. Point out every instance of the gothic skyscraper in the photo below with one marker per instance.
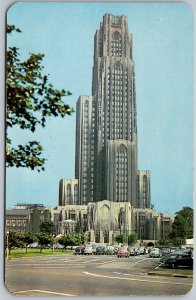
(106, 124)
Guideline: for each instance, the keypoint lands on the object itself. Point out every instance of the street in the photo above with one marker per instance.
(91, 275)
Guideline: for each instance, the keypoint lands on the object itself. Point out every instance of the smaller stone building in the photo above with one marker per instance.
(24, 217)
(103, 220)
(17, 220)
(62, 215)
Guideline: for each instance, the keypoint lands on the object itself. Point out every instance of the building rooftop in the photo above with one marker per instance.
(17, 212)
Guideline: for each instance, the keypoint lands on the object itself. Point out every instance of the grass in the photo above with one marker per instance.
(21, 253)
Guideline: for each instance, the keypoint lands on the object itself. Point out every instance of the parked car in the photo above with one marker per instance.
(109, 250)
(116, 249)
(165, 251)
(100, 250)
(133, 251)
(123, 252)
(88, 250)
(142, 250)
(79, 250)
(176, 260)
(155, 252)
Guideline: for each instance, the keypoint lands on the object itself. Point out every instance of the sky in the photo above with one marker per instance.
(163, 57)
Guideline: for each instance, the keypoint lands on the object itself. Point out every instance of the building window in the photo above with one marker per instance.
(116, 44)
(69, 193)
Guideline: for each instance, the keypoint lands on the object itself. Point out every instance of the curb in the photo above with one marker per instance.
(171, 274)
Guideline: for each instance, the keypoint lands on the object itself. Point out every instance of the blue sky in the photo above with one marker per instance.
(163, 56)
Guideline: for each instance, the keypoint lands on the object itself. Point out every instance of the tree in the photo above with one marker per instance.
(182, 227)
(132, 238)
(72, 239)
(14, 240)
(163, 242)
(44, 239)
(47, 227)
(28, 238)
(30, 101)
(120, 238)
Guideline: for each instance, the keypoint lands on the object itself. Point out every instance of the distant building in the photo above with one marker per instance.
(18, 220)
(26, 217)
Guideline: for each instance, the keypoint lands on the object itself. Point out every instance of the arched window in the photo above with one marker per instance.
(118, 103)
(118, 66)
(69, 193)
(144, 191)
(116, 45)
(75, 194)
(121, 174)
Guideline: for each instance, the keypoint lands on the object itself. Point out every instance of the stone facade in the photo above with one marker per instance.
(106, 123)
(62, 215)
(84, 152)
(68, 192)
(143, 189)
(105, 219)
(106, 163)
(24, 217)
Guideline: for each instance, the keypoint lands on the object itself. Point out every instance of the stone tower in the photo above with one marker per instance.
(106, 124)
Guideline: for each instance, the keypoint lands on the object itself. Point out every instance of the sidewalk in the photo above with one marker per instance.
(183, 273)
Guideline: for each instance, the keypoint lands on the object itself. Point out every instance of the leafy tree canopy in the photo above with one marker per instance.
(31, 99)
(14, 240)
(44, 239)
(47, 227)
(132, 238)
(28, 238)
(183, 224)
(120, 238)
(72, 239)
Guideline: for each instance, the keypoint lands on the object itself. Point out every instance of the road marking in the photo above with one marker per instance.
(57, 267)
(47, 292)
(134, 279)
(107, 262)
(137, 262)
(135, 275)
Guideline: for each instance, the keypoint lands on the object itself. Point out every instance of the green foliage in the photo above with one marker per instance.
(47, 227)
(44, 239)
(120, 238)
(31, 99)
(47, 214)
(182, 227)
(28, 238)
(163, 242)
(72, 239)
(14, 240)
(132, 238)
(20, 253)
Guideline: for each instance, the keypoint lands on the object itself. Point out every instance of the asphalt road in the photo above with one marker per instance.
(70, 275)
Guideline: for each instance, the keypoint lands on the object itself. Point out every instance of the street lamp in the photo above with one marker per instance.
(140, 236)
(53, 244)
(7, 246)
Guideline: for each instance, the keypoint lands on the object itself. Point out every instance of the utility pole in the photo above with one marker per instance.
(7, 246)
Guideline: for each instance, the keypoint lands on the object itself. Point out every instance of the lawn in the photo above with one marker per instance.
(21, 253)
